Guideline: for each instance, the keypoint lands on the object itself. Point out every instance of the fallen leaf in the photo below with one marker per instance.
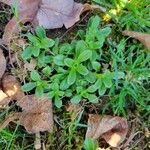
(10, 29)
(142, 37)
(37, 114)
(12, 87)
(2, 63)
(47, 13)
(112, 129)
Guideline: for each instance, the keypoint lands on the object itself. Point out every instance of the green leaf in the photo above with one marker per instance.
(35, 51)
(64, 84)
(90, 77)
(98, 83)
(59, 60)
(94, 45)
(80, 47)
(90, 144)
(27, 53)
(35, 76)
(71, 77)
(107, 80)
(76, 99)
(65, 48)
(55, 86)
(102, 89)
(68, 93)
(51, 94)
(95, 21)
(92, 98)
(96, 65)
(118, 75)
(40, 32)
(61, 93)
(33, 39)
(85, 55)
(82, 69)
(47, 43)
(39, 91)
(41, 60)
(92, 89)
(28, 86)
(105, 31)
(58, 102)
(47, 70)
(69, 62)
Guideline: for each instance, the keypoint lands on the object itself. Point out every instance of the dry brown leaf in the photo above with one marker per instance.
(142, 37)
(2, 63)
(12, 87)
(10, 29)
(112, 129)
(37, 114)
(47, 13)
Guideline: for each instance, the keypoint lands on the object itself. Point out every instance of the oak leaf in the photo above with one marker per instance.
(112, 129)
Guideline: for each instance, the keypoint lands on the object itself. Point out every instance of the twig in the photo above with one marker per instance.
(37, 142)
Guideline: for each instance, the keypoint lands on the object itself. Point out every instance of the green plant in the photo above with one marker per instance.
(64, 66)
(38, 84)
(90, 144)
(37, 43)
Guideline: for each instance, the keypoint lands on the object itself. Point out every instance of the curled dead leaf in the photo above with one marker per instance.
(2, 63)
(142, 37)
(12, 87)
(112, 129)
